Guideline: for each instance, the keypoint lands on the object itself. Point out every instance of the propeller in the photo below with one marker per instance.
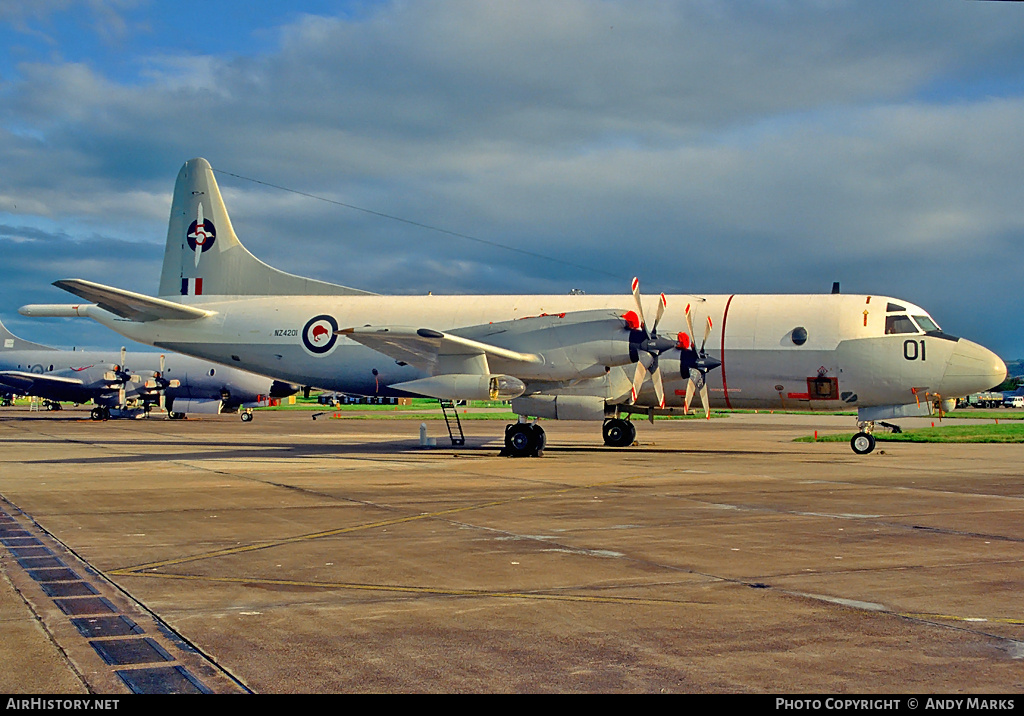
(159, 384)
(651, 344)
(647, 346)
(698, 362)
(120, 376)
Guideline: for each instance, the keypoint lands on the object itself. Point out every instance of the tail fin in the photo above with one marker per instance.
(204, 256)
(10, 342)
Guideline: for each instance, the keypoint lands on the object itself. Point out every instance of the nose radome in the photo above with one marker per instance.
(971, 369)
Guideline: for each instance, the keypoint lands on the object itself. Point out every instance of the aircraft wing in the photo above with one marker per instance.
(128, 304)
(28, 381)
(430, 350)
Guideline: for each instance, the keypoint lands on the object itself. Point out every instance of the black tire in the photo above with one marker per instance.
(245, 417)
(521, 440)
(862, 443)
(618, 432)
(541, 438)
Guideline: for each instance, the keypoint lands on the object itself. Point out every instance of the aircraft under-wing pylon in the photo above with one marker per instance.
(564, 357)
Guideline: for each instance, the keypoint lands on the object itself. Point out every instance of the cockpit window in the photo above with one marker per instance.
(927, 324)
(894, 307)
(899, 324)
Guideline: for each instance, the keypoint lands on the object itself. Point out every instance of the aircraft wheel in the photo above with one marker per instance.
(542, 439)
(863, 443)
(523, 440)
(246, 416)
(100, 413)
(175, 416)
(618, 432)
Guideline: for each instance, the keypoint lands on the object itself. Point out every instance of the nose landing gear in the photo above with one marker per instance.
(863, 443)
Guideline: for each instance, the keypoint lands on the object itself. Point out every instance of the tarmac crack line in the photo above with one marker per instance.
(150, 566)
(421, 590)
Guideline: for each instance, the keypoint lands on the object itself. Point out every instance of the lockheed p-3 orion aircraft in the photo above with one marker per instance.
(561, 357)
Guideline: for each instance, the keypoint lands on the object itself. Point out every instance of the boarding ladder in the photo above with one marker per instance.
(453, 423)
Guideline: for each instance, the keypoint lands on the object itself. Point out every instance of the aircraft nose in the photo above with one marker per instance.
(971, 369)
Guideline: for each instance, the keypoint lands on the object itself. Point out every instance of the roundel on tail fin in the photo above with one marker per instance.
(201, 234)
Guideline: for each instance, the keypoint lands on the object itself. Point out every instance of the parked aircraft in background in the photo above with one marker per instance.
(566, 357)
(120, 386)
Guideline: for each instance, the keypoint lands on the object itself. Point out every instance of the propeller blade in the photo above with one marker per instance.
(689, 325)
(662, 303)
(659, 386)
(639, 303)
(707, 332)
(704, 400)
(638, 380)
(689, 395)
(121, 396)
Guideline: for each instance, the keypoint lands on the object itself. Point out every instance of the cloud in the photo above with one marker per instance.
(706, 146)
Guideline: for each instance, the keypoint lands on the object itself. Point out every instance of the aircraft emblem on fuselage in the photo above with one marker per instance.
(318, 334)
(201, 234)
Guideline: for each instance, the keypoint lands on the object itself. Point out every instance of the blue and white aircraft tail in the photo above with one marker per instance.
(204, 257)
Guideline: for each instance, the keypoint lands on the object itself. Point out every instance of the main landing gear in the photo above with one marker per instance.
(618, 432)
(524, 440)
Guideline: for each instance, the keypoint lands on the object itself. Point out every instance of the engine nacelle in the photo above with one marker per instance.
(197, 405)
(560, 407)
(458, 386)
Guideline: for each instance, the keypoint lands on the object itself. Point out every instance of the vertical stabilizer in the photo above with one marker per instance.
(204, 257)
(10, 342)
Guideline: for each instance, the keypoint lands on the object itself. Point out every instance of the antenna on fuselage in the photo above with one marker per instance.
(835, 287)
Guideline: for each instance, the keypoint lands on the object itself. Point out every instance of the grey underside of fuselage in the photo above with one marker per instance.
(770, 379)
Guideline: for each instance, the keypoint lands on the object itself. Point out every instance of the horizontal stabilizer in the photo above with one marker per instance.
(425, 348)
(130, 305)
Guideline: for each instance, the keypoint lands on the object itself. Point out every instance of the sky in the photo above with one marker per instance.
(536, 146)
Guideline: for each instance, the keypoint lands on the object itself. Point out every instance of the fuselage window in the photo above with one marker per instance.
(899, 324)
(927, 324)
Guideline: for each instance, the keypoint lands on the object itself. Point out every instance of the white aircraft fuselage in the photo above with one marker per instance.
(762, 367)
